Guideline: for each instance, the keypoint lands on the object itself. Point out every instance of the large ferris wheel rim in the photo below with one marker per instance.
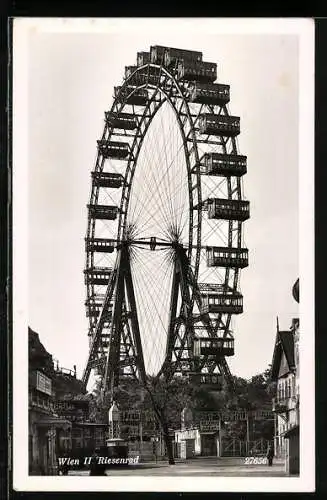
(117, 106)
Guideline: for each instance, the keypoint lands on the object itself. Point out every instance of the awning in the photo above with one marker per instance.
(54, 422)
(90, 424)
(293, 431)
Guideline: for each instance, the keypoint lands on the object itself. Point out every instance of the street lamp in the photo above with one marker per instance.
(114, 418)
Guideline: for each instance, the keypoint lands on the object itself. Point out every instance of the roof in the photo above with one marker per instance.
(284, 344)
(38, 357)
(287, 339)
(90, 424)
(53, 421)
(35, 345)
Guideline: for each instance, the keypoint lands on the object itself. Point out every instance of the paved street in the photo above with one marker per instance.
(211, 466)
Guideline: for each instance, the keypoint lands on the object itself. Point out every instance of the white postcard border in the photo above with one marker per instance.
(304, 28)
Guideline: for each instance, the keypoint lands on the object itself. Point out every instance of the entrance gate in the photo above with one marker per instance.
(209, 445)
(240, 448)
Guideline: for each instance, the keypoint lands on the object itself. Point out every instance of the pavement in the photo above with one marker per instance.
(203, 466)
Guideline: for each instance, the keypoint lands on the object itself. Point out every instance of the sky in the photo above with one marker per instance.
(70, 84)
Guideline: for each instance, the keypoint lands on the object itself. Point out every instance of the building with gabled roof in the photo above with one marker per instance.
(283, 358)
(285, 372)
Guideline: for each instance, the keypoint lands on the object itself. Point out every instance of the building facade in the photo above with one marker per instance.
(57, 402)
(43, 419)
(286, 403)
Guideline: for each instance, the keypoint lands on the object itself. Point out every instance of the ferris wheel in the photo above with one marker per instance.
(164, 243)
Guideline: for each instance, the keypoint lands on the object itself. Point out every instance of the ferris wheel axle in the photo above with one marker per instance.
(152, 242)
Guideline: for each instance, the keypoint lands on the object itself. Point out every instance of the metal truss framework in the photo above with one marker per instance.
(116, 349)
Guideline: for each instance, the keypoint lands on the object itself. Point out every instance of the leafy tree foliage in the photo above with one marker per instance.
(167, 400)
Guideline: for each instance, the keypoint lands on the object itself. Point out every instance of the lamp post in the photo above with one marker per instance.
(186, 418)
(114, 421)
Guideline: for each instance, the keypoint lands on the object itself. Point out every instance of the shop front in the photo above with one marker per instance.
(292, 438)
(43, 443)
(209, 446)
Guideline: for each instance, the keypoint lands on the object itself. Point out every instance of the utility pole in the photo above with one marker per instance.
(247, 433)
(220, 440)
(141, 436)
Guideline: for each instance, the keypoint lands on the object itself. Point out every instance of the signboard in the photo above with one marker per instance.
(234, 415)
(63, 406)
(263, 414)
(136, 416)
(130, 416)
(206, 425)
(228, 416)
(189, 434)
(43, 383)
(74, 410)
(186, 434)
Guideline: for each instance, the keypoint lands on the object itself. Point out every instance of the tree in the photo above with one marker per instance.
(168, 398)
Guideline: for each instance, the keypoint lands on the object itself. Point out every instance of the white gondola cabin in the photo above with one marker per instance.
(211, 381)
(217, 299)
(113, 149)
(225, 125)
(104, 212)
(220, 208)
(131, 96)
(227, 257)
(103, 245)
(209, 93)
(224, 165)
(107, 179)
(172, 56)
(168, 56)
(97, 275)
(197, 71)
(205, 346)
(125, 121)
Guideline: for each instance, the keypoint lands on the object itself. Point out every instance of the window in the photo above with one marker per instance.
(279, 389)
